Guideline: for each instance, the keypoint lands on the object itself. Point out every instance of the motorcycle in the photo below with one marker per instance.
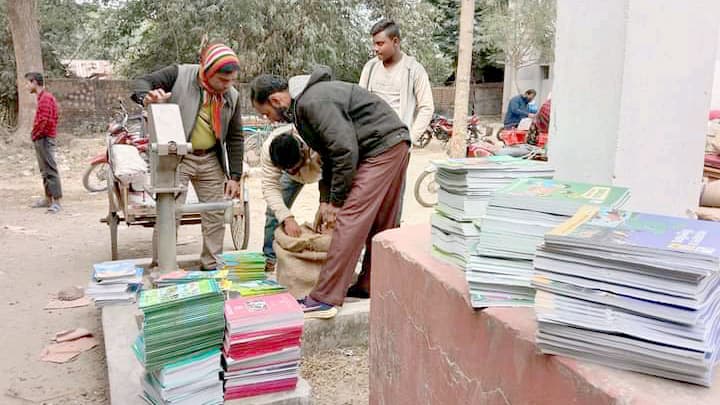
(441, 129)
(123, 129)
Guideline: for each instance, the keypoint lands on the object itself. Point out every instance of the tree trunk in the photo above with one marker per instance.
(462, 79)
(28, 56)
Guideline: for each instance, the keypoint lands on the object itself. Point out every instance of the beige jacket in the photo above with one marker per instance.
(416, 100)
(271, 188)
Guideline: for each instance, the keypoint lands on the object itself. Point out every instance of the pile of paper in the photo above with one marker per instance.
(262, 345)
(114, 283)
(182, 276)
(182, 332)
(499, 271)
(243, 266)
(465, 188)
(195, 380)
(254, 288)
(634, 291)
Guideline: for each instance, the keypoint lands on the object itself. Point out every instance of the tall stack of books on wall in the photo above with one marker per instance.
(115, 283)
(179, 344)
(630, 290)
(465, 188)
(500, 270)
(261, 353)
(243, 266)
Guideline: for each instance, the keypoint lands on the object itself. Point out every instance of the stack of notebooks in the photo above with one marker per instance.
(195, 380)
(499, 271)
(635, 291)
(182, 276)
(235, 289)
(465, 188)
(114, 283)
(262, 345)
(243, 266)
(182, 325)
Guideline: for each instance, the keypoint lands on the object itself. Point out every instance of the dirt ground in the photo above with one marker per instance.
(43, 253)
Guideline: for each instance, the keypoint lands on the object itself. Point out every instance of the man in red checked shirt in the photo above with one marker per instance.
(43, 136)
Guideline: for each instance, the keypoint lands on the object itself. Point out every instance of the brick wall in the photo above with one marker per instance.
(487, 99)
(86, 106)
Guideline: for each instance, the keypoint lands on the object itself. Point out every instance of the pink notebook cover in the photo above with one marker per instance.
(252, 351)
(255, 309)
(261, 388)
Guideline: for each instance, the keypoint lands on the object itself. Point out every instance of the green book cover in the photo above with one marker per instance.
(253, 288)
(558, 190)
(177, 293)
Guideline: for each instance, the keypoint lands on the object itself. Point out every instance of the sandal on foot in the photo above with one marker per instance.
(54, 208)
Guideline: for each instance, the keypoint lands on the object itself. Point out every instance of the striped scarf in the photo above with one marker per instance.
(212, 60)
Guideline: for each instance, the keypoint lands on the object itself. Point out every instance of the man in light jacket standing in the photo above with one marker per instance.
(398, 79)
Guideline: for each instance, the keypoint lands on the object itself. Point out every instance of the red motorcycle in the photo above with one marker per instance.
(124, 129)
(441, 129)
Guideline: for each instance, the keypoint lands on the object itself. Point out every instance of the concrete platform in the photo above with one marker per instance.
(124, 371)
(348, 328)
(428, 346)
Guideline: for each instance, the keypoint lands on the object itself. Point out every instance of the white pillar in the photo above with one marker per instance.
(630, 96)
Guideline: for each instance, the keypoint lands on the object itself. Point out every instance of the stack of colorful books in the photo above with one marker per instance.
(465, 189)
(182, 325)
(115, 283)
(500, 268)
(635, 291)
(243, 266)
(182, 276)
(262, 345)
(235, 289)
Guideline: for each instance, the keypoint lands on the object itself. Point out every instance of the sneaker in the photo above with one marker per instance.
(54, 208)
(318, 310)
(269, 266)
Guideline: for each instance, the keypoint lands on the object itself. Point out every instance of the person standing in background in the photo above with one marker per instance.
(43, 136)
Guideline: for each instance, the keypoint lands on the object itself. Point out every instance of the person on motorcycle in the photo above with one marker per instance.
(399, 79)
(281, 186)
(364, 147)
(211, 117)
(518, 109)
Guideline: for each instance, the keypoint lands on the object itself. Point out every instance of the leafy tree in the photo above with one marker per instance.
(521, 30)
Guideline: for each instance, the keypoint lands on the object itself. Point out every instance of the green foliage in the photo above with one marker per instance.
(522, 30)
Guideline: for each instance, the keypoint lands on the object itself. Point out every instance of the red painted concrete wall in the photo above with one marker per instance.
(428, 346)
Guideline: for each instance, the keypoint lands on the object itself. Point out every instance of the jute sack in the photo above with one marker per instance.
(299, 260)
(710, 196)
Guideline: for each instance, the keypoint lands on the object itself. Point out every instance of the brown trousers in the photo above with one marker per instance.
(372, 206)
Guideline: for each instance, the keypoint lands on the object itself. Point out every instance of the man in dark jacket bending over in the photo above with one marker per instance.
(364, 150)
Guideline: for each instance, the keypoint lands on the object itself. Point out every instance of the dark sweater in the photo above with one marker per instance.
(345, 124)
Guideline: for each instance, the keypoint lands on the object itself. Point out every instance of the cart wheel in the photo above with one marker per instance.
(426, 189)
(240, 228)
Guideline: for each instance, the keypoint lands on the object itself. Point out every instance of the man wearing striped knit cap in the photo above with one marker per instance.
(211, 116)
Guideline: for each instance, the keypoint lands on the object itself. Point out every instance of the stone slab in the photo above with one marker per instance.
(124, 371)
(428, 346)
(348, 328)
